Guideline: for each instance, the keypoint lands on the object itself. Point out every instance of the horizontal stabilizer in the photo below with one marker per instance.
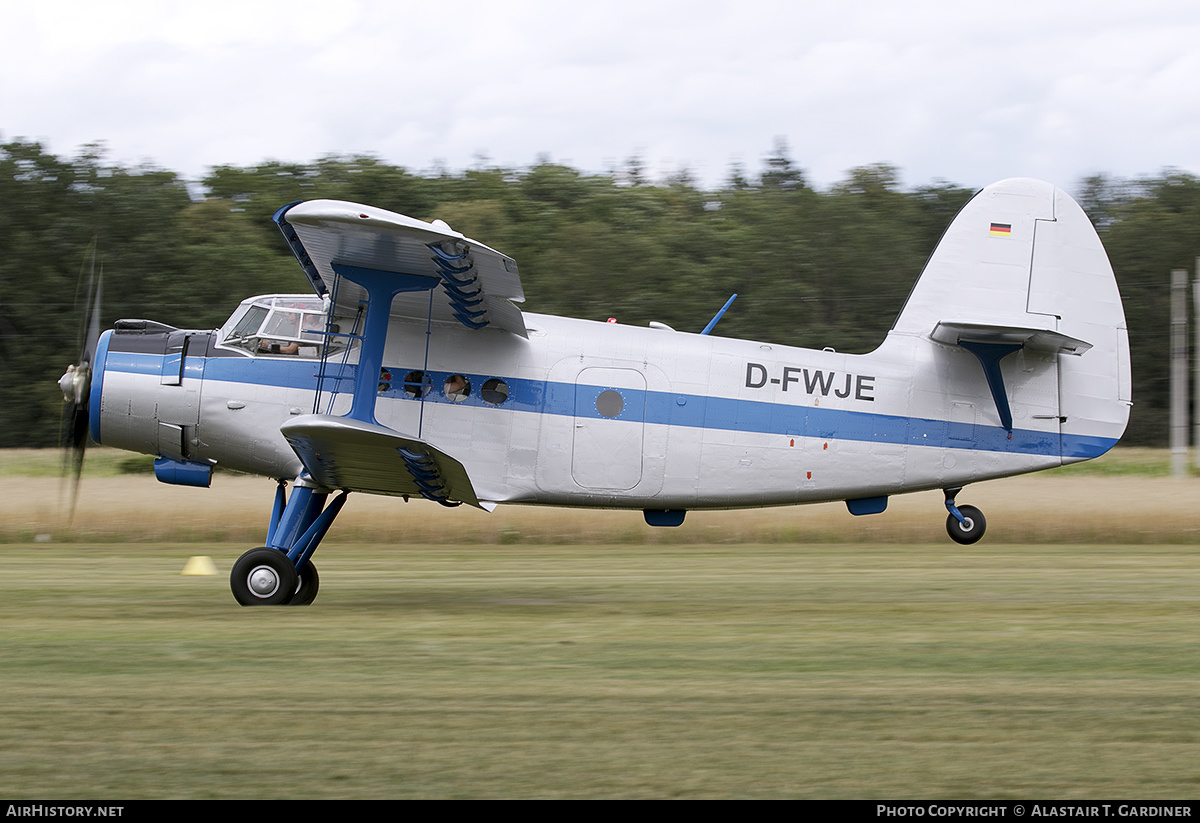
(1040, 340)
(341, 453)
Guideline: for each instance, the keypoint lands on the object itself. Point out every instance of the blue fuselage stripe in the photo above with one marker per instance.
(655, 407)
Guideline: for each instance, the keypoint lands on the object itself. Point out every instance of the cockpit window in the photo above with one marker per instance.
(248, 325)
(284, 325)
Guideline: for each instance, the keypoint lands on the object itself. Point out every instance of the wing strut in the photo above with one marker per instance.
(381, 287)
(990, 355)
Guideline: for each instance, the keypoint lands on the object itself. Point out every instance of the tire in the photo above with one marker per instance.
(308, 585)
(263, 577)
(970, 531)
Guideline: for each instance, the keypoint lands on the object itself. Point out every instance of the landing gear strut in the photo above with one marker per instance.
(964, 524)
(282, 572)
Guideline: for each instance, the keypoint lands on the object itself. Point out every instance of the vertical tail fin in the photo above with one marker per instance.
(1022, 266)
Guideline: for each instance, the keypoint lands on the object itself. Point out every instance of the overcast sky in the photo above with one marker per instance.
(958, 91)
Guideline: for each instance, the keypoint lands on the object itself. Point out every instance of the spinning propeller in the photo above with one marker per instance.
(76, 387)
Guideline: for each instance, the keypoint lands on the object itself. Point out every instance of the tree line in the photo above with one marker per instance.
(812, 268)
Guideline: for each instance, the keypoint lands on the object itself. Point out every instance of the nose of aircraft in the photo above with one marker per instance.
(74, 384)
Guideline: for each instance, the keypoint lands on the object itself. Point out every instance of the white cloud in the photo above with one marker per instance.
(962, 92)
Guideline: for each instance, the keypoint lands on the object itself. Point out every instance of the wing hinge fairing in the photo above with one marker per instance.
(425, 474)
(460, 281)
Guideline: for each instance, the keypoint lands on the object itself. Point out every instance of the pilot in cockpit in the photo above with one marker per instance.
(278, 347)
(285, 324)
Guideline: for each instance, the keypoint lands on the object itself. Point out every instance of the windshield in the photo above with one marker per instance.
(284, 325)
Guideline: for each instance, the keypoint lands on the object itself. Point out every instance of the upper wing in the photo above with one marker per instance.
(477, 283)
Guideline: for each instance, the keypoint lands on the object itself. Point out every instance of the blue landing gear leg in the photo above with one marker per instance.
(964, 524)
(282, 572)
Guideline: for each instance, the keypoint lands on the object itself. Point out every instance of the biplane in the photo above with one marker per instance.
(410, 371)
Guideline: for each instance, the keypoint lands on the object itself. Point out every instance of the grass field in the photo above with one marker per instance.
(551, 654)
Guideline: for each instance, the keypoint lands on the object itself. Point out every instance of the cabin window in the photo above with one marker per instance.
(610, 403)
(416, 384)
(456, 388)
(494, 391)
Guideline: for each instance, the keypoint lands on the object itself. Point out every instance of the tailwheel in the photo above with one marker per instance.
(969, 529)
(264, 577)
(306, 589)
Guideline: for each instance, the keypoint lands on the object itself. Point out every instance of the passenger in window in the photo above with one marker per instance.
(457, 388)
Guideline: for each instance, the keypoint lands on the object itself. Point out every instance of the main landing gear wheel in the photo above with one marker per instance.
(306, 590)
(264, 577)
(970, 529)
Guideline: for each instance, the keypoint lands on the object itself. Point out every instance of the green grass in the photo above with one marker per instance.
(795, 652)
(863, 671)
